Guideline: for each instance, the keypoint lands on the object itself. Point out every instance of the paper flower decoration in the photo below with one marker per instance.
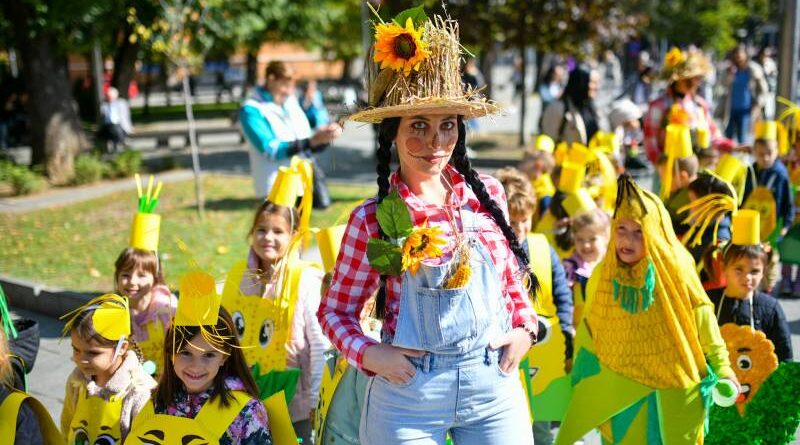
(674, 57)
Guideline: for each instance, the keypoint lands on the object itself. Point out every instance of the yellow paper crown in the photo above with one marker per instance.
(678, 141)
(561, 152)
(733, 171)
(766, 130)
(292, 182)
(146, 224)
(111, 318)
(571, 178)
(329, 241)
(199, 302)
(746, 228)
(286, 188)
(703, 137)
(544, 143)
(579, 154)
(579, 202)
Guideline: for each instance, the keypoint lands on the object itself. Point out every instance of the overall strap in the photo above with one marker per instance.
(216, 418)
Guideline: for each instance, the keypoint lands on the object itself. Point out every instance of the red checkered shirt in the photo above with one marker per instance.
(654, 122)
(354, 281)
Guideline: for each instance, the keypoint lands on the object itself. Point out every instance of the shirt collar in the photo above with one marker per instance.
(462, 194)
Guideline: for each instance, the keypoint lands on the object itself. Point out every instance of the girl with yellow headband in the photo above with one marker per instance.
(108, 386)
(649, 354)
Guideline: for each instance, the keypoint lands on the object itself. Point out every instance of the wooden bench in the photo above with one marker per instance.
(162, 136)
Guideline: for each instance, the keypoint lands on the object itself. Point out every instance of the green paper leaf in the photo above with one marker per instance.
(393, 216)
(417, 15)
(384, 257)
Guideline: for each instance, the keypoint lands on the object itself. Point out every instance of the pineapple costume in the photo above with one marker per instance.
(648, 352)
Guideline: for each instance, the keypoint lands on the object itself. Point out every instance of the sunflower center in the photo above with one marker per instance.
(423, 243)
(404, 46)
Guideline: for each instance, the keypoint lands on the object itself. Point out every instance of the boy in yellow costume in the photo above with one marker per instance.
(649, 351)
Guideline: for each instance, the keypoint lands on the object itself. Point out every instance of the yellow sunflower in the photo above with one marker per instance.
(398, 48)
(674, 57)
(424, 242)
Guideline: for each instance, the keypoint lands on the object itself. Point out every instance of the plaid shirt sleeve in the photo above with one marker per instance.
(353, 282)
(515, 296)
(652, 129)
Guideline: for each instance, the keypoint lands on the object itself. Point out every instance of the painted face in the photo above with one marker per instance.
(95, 361)
(591, 243)
(197, 363)
(629, 241)
(135, 283)
(271, 237)
(752, 357)
(522, 224)
(766, 153)
(425, 144)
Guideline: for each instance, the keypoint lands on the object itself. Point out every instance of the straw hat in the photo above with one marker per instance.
(414, 68)
(679, 65)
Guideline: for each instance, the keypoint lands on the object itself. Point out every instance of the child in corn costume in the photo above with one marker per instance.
(273, 298)
(139, 277)
(648, 352)
(206, 393)
(107, 389)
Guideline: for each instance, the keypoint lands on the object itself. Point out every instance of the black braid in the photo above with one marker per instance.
(387, 131)
(461, 162)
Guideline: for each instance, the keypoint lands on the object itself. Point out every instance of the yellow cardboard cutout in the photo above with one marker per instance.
(96, 420)
(762, 201)
(153, 348)
(199, 302)
(9, 409)
(280, 424)
(752, 357)
(330, 382)
(746, 228)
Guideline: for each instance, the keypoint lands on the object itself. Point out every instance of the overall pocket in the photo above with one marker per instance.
(448, 317)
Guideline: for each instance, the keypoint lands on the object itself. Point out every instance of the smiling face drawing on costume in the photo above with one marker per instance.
(425, 144)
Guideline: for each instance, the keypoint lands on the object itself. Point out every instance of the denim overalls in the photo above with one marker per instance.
(458, 385)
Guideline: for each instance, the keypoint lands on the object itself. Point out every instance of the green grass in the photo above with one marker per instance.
(178, 112)
(74, 247)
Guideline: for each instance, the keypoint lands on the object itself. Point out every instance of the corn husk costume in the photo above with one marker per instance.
(198, 306)
(766, 383)
(145, 233)
(96, 417)
(641, 373)
(263, 323)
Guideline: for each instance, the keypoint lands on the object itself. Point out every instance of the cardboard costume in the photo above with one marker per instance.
(762, 199)
(9, 410)
(96, 418)
(648, 352)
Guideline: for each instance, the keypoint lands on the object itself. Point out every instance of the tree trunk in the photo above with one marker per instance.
(251, 75)
(347, 67)
(125, 63)
(198, 190)
(488, 57)
(56, 133)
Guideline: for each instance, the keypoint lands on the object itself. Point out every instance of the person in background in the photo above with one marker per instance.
(552, 85)
(573, 118)
(116, 120)
(276, 127)
(746, 96)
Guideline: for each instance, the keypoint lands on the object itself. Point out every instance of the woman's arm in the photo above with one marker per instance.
(353, 282)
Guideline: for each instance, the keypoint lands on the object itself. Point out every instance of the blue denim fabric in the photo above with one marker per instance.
(458, 387)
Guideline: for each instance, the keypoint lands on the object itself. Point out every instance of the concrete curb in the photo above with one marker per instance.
(36, 297)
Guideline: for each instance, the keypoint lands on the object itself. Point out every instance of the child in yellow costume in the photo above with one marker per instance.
(590, 232)
(23, 420)
(108, 386)
(547, 363)
(206, 393)
(648, 352)
(273, 297)
(139, 276)
(537, 164)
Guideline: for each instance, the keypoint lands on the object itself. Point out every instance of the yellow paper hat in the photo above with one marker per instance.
(767, 130)
(329, 240)
(746, 228)
(571, 178)
(111, 318)
(146, 224)
(579, 202)
(703, 137)
(678, 141)
(579, 154)
(561, 152)
(286, 188)
(545, 143)
(733, 171)
(199, 302)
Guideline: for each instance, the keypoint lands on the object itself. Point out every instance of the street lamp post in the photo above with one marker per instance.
(787, 58)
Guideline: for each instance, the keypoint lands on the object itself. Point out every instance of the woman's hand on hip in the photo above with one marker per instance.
(391, 362)
(517, 343)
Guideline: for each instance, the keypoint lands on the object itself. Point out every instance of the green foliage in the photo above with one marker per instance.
(126, 163)
(417, 16)
(22, 179)
(393, 216)
(385, 257)
(89, 169)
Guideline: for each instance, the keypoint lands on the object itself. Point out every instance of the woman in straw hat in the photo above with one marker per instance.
(681, 104)
(436, 246)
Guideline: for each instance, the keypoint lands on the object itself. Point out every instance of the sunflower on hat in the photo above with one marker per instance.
(400, 48)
